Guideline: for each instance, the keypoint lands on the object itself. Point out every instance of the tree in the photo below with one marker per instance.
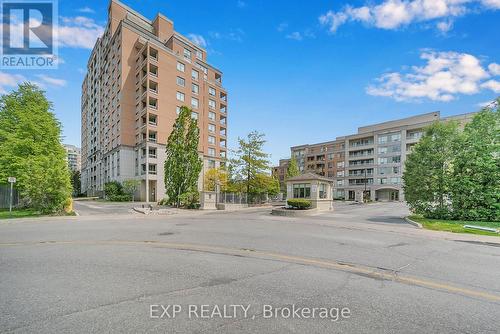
(476, 174)
(130, 187)
(428, 170)
(265, 184)
(76, 182)
(31, 149)
(182, 164)
(250, 159)
(293, 169)
(215, 176)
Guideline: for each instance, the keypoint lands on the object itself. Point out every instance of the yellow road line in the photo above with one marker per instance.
(331, 264)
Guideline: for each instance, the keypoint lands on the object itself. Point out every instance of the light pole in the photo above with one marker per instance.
(11, 180)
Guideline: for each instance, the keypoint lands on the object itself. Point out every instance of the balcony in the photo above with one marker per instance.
(223, 96)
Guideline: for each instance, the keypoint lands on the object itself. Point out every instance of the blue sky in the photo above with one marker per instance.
(305, 72)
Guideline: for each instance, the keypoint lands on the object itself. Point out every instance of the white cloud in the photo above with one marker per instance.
(394, 14)
(233, 35)
(493, 85)
(78, 32)
(494, 4)
(198, 40)
(295, 36)
(52, 81)
(494, 68)
(443, 77)
(282, 26)
(485, 104)
(86, 10)
(8, 80)
(444, 26)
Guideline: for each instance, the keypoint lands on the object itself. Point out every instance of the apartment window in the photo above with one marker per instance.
(340, 183)
(389, 160)
(382, 180)
(211, 152)
(340, 164)
(211, 116)
(211, 140)
(330, 156)
(180, 96)
(211, 163)
(194, 74)
(340, 174)
(187, 54)
(178, 110)
(322, 190)
(181, 81)
(194, 103)
(211, 128)
(389, 137)
(211, 104)
(199, 54)
(195, 88)
(180, 67)
(211, 91)
(152, 152)
(223, 154)
(194, 115)
(152, 169)
(302, 190)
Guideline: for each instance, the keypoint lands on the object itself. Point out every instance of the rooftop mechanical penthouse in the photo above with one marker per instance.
(138, 76)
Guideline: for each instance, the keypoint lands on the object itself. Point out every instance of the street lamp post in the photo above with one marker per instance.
(11, 180)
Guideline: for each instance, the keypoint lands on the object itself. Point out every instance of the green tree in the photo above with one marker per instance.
(76, 182)
(476, 174)
(215, 176)
(31, 149)
(428, 170)
(293, 169)
(182, 164)
(265, 184)
(130, 187)
(250, 159)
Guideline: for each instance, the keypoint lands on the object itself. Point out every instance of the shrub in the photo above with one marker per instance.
(113, 188)
(299, 203)
(119, 198)
(190, 199)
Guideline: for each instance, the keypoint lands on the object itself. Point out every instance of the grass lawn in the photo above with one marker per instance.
(24, 213)
(455, 226)
(19, 213)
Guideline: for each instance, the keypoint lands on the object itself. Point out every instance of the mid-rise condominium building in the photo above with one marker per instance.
(369, 163)
(139, 74)
(73, 155)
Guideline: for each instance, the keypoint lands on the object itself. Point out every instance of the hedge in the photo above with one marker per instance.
(299, 203)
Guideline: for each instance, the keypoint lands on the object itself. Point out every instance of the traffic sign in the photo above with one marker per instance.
(11, 179)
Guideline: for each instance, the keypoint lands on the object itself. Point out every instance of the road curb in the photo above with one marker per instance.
(412, 222)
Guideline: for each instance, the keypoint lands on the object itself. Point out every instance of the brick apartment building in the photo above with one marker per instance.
(139, 74)
(370, 162)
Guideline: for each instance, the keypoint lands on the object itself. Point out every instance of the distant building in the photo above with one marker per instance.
(280, 173)
(74, 157)
(370, 162)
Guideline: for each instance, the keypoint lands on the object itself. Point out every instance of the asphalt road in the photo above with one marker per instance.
(109, 273)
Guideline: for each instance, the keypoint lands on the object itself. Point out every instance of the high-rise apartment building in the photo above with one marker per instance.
(369, 163)
(139, 74)
(73, 155)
